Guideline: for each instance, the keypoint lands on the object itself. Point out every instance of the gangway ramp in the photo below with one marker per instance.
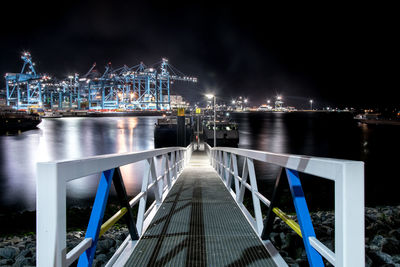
(199, 224)
(198, 216)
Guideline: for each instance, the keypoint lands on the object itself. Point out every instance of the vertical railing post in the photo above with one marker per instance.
(51, 216)
(349, 216)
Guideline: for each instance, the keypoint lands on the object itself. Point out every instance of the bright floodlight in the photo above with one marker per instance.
(210, 96)
(233, 101)
(279, 97)
(311, 101)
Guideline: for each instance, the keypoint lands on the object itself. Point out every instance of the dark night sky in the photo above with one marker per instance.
(337, 55)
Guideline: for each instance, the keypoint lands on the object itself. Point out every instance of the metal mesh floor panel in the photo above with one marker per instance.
(199, 224)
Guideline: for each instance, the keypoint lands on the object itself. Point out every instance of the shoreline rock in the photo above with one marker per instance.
(382, 240)
(382, 237)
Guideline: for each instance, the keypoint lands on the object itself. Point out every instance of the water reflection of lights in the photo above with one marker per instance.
(70, 138)
(121, 135)
(364, 139)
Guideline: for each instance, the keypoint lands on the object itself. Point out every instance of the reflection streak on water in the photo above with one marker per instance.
(69, 138)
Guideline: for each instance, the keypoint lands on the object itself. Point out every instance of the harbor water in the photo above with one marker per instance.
(334, 135)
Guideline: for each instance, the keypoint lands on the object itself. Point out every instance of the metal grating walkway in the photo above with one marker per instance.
(199, 224)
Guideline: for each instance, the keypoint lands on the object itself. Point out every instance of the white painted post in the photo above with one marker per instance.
(220, 164)
(163, 172)
(50, 216)
(227, 169)
(143, 199)
(245, 173)
(256, 200)
(236, 173)
(153, 175)
(229, 173)
(349, 215)
(175, 164)
(169, 173)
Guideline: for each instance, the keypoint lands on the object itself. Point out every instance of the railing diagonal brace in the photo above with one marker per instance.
(303, 216)
(124, 202)
(269, 220)
(96, 217)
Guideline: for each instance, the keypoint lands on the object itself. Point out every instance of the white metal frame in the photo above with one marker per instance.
(52, 178)
(348, 177)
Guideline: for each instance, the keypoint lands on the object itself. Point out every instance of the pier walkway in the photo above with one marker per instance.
(198, 216)
(199, 224)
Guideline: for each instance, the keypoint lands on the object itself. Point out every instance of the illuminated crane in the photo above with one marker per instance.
(23, 89)
(137, 87)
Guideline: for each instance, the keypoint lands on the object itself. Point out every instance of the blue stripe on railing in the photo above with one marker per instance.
(96, 217)
(303, 216)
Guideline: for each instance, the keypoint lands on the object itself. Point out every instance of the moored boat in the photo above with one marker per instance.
(165, 132)
(13, 120)
(227, 133)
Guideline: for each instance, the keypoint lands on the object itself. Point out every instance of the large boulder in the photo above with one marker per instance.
(8, 252)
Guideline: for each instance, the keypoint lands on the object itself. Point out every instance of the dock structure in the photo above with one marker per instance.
(199, 224)
(198, 217)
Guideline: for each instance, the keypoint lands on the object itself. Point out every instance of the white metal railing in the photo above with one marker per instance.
(52, 178)
(348, 177)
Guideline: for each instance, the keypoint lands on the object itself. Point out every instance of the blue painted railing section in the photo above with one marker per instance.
(96, 217)
(303, 217)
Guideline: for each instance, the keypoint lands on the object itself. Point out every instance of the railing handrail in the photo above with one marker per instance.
(75, 168)
(318, 166)
(348, 177)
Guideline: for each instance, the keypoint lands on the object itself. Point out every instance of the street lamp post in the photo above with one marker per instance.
(311, 101)
(215, 117)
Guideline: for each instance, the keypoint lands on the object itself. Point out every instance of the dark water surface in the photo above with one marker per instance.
(334, 135)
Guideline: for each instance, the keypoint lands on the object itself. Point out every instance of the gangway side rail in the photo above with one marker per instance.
(51, 199)
(348, 178)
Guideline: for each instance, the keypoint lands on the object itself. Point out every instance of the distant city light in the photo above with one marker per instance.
(209, 96)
